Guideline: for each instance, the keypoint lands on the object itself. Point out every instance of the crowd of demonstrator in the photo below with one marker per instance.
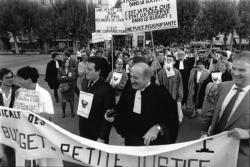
(145, 94)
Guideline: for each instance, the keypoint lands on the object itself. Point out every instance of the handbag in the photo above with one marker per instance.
(64, 87)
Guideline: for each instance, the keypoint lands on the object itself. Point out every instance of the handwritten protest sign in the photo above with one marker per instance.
(27, 100)
(84, 104)
(148, 15)
(109, 21)
(36, 138)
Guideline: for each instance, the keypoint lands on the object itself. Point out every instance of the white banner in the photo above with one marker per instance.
(109, 21)
(36, 138)
(101, 37)
(149, 15)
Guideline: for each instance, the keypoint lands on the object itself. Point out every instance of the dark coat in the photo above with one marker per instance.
(51, 74)
(96, 126)
(13, 93)
(157, 107)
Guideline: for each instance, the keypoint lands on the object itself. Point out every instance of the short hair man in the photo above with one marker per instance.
(96, 127)
(232, 108)
(152, 120)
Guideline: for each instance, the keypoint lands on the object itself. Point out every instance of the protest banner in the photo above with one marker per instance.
(149, 15)
(109, 21)
(36, 138)
(27, 99)
(85, 104)
(101, 37)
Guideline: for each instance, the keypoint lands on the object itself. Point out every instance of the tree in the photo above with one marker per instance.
(187, 11)
(73, 21)
(217, 16)
(243, 28)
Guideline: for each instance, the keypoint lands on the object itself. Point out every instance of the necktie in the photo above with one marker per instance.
(222, 121)
(137, 102)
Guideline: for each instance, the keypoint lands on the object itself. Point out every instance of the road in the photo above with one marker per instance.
(189, 128)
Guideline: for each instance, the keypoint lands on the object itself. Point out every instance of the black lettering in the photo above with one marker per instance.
(116, 160)
(90, 154)
(190, 160)
(205, 149)
(107, 160)
(74, 152)
(42, 140)
(176, 161)
(22, 144)
(6, 132)
(203, 161)
(160, 159)
(65, 148)
(13, 136)
(36, 120)
(5, 112)
(30, 118)
(29, 141)
(99, 157)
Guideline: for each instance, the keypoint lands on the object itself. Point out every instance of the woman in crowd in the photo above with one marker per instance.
(66, 77)
(118, 78)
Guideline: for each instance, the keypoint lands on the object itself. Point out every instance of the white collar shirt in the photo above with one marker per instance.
(229, 96)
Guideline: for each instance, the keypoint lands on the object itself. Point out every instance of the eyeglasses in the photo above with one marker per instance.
(8, 77)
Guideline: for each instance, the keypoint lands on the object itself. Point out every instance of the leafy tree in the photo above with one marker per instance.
(243, 28)
(187, 11)
(72, 20)
(217, 16)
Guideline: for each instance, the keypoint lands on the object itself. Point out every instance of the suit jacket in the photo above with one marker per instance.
(51, 74)
(157, 107)
(96, 126)
(191, 102)
(240, 119)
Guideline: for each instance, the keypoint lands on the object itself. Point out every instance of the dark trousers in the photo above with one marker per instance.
(56, 94)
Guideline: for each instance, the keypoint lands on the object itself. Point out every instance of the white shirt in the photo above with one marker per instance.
(137, 102)
(57, 64)
(229, 96)
(6, 99)
(181, 65)
(198, 76)
(45, 100)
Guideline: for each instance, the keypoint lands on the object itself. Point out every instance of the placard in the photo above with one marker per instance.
(27, 99)
(149, 15)
(84, 104)
(109, 21)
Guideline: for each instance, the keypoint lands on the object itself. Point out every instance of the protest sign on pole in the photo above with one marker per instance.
(34, 137)
(109, 21)
(149, 15)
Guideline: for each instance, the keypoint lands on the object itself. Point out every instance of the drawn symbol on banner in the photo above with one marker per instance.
(52, 148)
(205, 149)
(115, 78)
(84, 103)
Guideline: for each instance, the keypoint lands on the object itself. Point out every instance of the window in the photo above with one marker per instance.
(217, 38)
(140, 41)
(99, 1)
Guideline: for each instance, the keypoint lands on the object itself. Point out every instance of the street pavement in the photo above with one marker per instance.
(189, 128)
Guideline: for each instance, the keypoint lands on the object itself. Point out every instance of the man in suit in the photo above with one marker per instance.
(184, 66)
(51, 74)
(95, 127)
(231, 111)
(146, 113)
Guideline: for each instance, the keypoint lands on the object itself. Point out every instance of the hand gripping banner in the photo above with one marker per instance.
(35, 138)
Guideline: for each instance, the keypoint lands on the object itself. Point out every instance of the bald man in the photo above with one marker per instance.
(146, 114)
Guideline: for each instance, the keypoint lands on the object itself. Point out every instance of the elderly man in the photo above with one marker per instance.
(232, 108)
(146, 114)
